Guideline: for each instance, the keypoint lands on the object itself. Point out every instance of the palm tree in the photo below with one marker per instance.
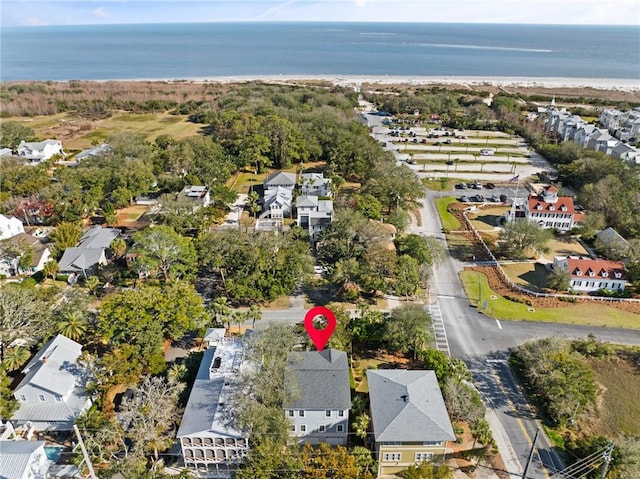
(72, 324)
(15, 357)
(240, 317)
(51, 268)
(221, 309)
(361, 425)
(255, 314)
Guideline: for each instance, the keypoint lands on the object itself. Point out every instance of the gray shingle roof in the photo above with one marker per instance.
(16, 457)
(280, 178)
(79, 259)
(407, 406)
(98, 237)
(318, 380)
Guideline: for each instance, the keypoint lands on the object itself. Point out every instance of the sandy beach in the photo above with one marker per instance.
(619, 84)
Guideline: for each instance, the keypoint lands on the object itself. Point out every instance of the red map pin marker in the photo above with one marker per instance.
(320, 337)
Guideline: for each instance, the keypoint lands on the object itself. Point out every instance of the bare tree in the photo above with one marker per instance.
(22, 316)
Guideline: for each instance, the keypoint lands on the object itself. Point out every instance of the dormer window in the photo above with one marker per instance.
(604, 274)
(551, 207)
(538, 206)
(618, 275)
(590, 272)
(577, 272)
(563, 208)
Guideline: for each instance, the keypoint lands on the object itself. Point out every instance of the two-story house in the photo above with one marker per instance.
(315, 184)
(14, 249)
(550, 210)
(277, 201)
(313, 214)
(212, 444)
(590, 275)
(40, 151)
(318, 384)
(52, 393)
(410, 420)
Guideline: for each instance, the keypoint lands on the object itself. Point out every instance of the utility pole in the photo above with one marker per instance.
(533, 448)
(607, 460)
(92, 474)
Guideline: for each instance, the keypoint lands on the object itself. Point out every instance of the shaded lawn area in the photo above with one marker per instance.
(621, 412)
(449, 222)
(460, 247)
(132, 213)
(565, 246)
(527, 274)
(488, 218)
(585, 313)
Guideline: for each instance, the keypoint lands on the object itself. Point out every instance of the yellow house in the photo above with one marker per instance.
(410, 420)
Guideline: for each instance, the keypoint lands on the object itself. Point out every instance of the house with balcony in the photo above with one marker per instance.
(197, 195)
(318, 383)
(52, 393)
(314, 215)
(211, 442)
(410, 421)
(591, 275)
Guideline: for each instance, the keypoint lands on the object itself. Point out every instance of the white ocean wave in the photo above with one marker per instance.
(482, 47)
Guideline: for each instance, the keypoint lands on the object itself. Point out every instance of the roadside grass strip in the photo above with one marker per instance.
(449, 222)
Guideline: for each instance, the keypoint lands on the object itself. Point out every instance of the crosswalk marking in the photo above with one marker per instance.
(439, 331)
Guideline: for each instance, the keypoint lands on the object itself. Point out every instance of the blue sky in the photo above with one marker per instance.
(68, 12)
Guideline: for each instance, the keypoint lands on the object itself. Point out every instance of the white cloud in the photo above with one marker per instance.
(101, 13)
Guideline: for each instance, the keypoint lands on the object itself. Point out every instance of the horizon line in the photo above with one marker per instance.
(323, 21)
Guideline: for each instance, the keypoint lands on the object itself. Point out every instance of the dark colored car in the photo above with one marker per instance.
(503, 198)
(490, 186)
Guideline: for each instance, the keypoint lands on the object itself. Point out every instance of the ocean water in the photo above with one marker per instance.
(213, 50)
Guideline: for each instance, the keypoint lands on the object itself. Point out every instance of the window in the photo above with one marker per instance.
(292, 428)
(58, 398)
(41, 397)
(432, 443)
(322, 428)
(303, 428)
(301, 413)
(423, 456)
(341, 413)
(290, 412)
(391, 456)
(340, 428)
(327, 413)
(22, 398)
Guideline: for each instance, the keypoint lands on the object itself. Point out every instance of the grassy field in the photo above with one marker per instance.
(527, 274)
(564, 246)
(621, 382)
(449, 222)
(587, 313)
(460, 247)
(487, 219)
(79, 133)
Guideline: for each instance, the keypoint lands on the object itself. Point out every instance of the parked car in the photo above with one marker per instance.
(448, 142)
(464, 199)
(424, 140)
(461, 186)
(489, 186)
(494, 199)
(503, 198)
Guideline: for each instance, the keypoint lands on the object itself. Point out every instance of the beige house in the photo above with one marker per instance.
(410, 420)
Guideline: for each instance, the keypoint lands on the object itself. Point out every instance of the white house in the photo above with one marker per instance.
(319, 384)
(315, 184)
(280, 179)
(9, 227)
(212, 444)
(550, 210)
(589, 275)
(40, 151)
(52, 393)
(583, 133)
(23, 460)
(610, 118)
(11, 255)
(277, 203)
(313, 214)
(410, 420)
(198, 195)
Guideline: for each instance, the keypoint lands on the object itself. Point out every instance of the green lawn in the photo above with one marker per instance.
(586, 313)
(533, 275)
(449, 222)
